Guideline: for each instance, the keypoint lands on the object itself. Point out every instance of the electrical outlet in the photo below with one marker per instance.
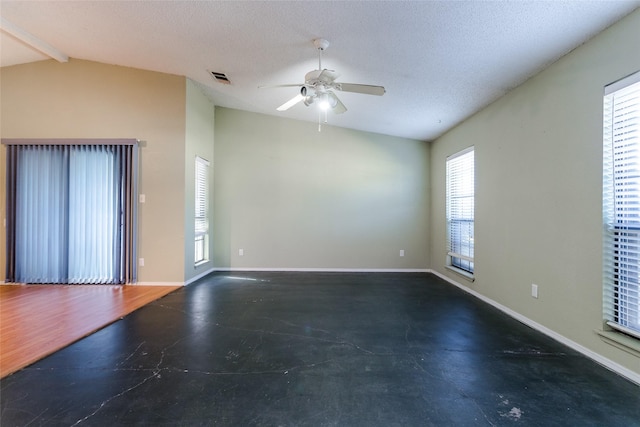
(141, 262)
(143, 198)
(241, 252)
(534, 290)
(401, 252)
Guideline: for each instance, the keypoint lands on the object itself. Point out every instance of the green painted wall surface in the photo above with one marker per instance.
(539, 190)
(293, 197)
(200, 116)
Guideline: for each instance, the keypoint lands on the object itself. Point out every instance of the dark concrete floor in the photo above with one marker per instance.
(311, 349)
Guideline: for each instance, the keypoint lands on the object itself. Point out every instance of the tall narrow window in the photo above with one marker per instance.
(621, 205)
(71, 211)
(202, 212)
(460, 210)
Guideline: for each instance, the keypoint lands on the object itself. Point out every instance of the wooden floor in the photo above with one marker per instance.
(37, 320)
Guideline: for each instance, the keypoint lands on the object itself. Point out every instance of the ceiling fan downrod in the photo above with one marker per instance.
(320, 44)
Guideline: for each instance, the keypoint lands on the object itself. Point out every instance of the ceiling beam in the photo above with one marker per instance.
(32, 41)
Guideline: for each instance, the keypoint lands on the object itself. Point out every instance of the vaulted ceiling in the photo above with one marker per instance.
(440, 61)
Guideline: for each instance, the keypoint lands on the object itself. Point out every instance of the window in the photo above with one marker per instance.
(621, 205)
(202, 212)
(460, 210)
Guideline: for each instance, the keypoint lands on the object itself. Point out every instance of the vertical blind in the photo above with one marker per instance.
(460, 209)
(71, 212)
(621, 205)
(201, 211)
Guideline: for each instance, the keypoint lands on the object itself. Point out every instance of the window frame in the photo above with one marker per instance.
(456, 260)
(621, 225)
(201, 212)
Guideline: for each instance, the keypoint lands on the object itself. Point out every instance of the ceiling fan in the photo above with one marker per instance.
(319, 86)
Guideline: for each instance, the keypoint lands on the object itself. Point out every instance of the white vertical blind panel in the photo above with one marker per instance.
(74, 216)
(40, 216)
(93, 214)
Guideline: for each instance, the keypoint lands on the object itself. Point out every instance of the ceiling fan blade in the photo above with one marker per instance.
(337, 106)
(290, 103)
(288, 85)
(365, 89)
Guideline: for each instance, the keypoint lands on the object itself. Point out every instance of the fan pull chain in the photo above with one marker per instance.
(320, 121)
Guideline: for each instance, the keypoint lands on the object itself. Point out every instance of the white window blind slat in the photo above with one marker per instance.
(201, 211)
(621, 206)
(460, 200)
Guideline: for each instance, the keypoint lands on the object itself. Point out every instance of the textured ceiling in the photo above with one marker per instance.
(440, 61)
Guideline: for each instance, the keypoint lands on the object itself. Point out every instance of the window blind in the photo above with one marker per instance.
(460, 197)
(621, 205)
(201, 210)
(71, 211)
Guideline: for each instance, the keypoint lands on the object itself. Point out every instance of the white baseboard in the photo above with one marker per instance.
(156, 284)
(607, 363)
(199, 276)
(328, 270)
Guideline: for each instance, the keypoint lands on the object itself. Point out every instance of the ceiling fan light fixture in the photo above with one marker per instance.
(327, 102)
(308, 91)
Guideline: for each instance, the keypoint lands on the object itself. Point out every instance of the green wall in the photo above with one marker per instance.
(199, 141)
(295, 198)
(539, 192)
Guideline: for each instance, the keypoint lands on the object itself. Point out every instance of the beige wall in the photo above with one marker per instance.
(82, 99)
(198, 142)
(293, 197)
(539, 191)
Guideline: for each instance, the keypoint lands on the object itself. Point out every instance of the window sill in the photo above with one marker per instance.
(621, 341)
(469, 276)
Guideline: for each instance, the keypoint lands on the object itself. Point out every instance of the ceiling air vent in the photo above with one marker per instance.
(220, 78)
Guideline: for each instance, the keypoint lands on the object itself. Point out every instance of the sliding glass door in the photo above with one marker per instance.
(71, 211)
